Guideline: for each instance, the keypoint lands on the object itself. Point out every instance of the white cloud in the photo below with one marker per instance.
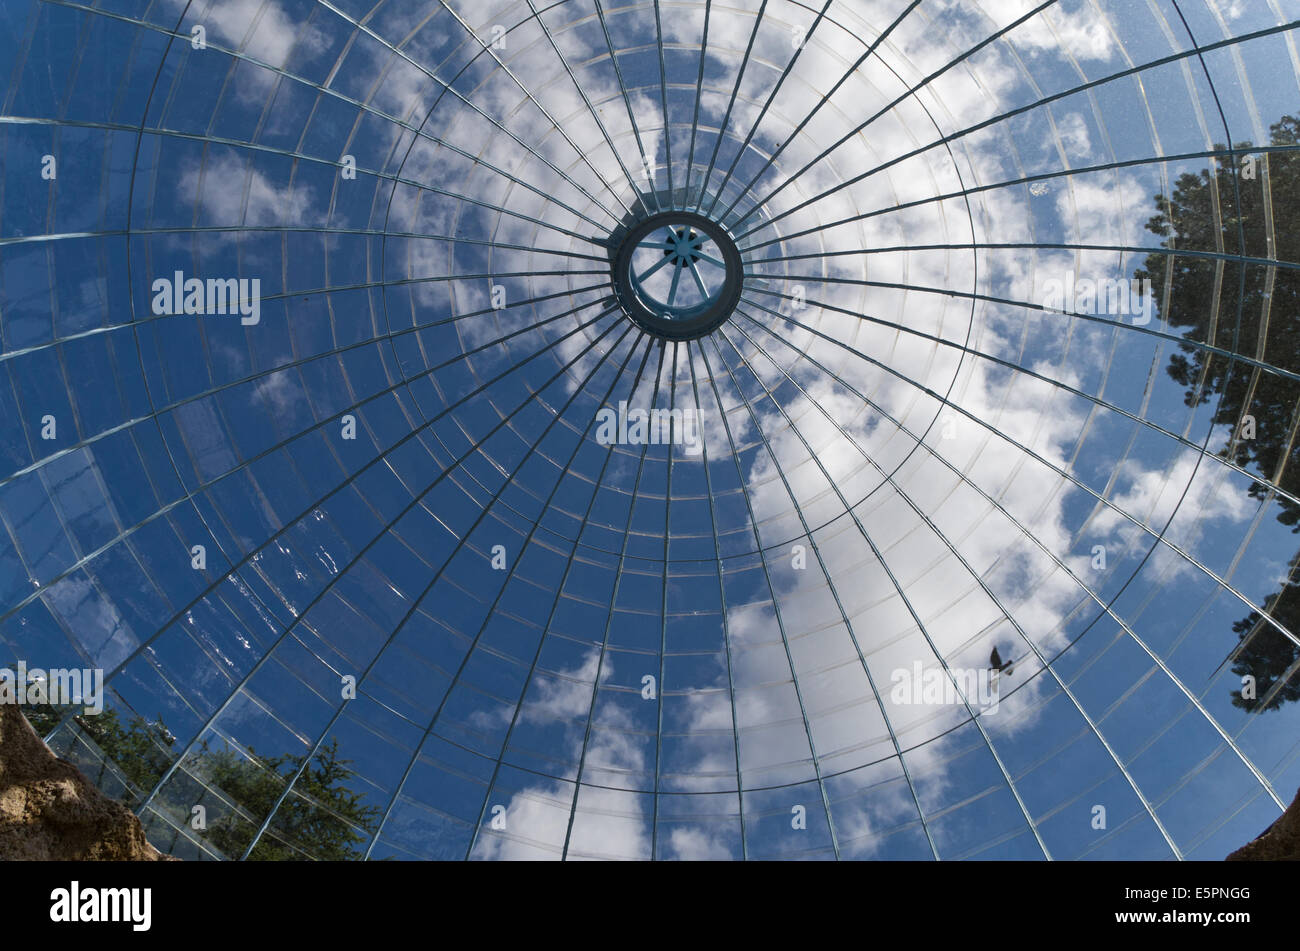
(231, 192)
(844, 720)
(610, 822)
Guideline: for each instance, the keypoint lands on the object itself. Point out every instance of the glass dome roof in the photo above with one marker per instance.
(950, 515)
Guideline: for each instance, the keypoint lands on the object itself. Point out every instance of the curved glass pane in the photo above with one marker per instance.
(658, 430)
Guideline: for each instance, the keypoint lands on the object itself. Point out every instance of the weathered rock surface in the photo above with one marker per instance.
(50, 811)
(1280, 842)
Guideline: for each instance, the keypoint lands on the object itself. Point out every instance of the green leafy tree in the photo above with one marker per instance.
(1214, 210)
(138, 748)
(1268, 655)
(318, 819)
(1206, 303)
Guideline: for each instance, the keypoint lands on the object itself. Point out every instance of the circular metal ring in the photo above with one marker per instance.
(677, 274)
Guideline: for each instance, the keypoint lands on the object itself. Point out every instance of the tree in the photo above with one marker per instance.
(1265, 653)
(1187, 221)
(1255, 313)
(139, 749)
(320, 819)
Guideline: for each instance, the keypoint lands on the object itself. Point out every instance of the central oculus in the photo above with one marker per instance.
(677, 274)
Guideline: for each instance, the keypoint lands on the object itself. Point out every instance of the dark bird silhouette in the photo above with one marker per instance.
(996, 662)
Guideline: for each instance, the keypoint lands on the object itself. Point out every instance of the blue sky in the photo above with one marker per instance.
(523, 688)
